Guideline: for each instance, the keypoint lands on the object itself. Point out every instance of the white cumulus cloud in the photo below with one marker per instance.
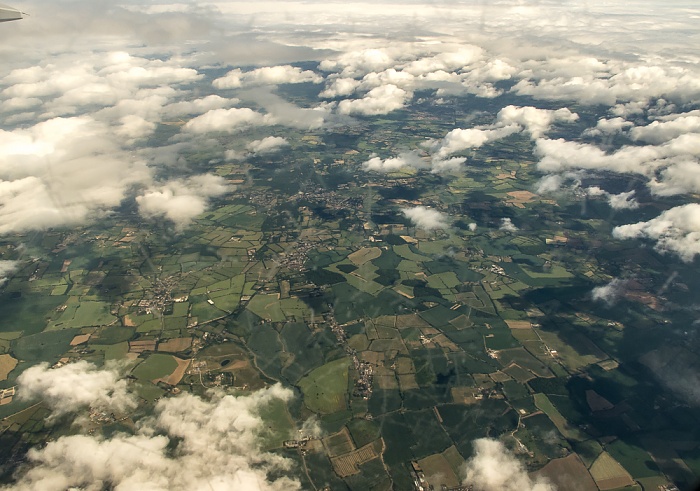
(380, 100)
(675, 231)
(76, 386)
(610, 292)
(270, 75)
(405, 159)
(181, 200)
(534, 120)
(267, 145)
(426, 218)
(507, 225)
(494, 468)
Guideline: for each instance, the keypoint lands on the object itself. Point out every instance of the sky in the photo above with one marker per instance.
(85, 83)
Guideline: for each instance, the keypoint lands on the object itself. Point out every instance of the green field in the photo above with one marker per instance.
(85, 313)
(570, 432)
(154, 367)
(325, 388)
(267, 306)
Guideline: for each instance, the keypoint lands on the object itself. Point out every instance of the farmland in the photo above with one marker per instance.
(401, 344)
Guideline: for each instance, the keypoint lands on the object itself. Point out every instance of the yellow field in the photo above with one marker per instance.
(7, 364)
(364, 255)
(518, 324)
(348, 464)
(609, 474)
(175, 345)
(438, 471)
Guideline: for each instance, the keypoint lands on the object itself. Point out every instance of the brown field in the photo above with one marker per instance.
(568, 474)
(128, 321)
(518, 324)
(597, 402)
(519, 198)
(373, 357)
(365, 255)
(141, 346)
(519, 373)
(348, 464)
(339, 443)
(175, 377)
(463, 395)
(609, 474)
(7, 364)
(442, 341)
(407, 381)
(386, 382)
(386, 321)
(461, 322)
(438, 472)
(404, 365)
(410, 320)
(499, 376)
(608, 365)
(454, 458)
(80, 339)
(175, 345)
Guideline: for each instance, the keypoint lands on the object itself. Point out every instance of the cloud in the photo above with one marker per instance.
(76, 386)
(613, 82)
(189, 443)
(510, 120)
(493, 468)
(609, 293)
(679, 178)
(280, 112)
(675, 231)
(426, 218)
(405, 159)
(135, 127)
(226, 120)
(6, 270)
(609, 127)
(560, 155)
(507, 225)
(270, 75)
(440, 165)
(549, 184)
(659, 132)
(267, 145)
(198, 106)
(380, 100)
(181, 200)
(67, 86)
(460, 139)
(357, 63)
(472, 226)
(64, 171)
(535, 121)
(340, 87)
(622, 201)
(446, 61)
